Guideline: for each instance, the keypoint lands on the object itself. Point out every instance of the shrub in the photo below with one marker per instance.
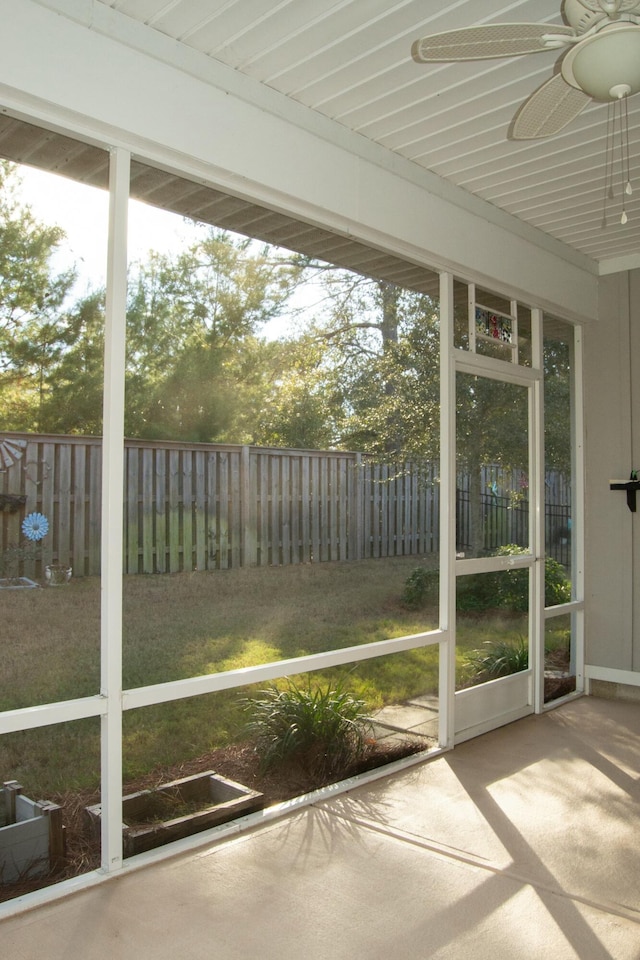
(557, 586)
(323, 730)
(421, 588)
(509, 589)
(499, 659)
(499, 590)
(14, 556)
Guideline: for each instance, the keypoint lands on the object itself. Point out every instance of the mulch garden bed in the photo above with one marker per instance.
(562, 683)
(237, 762)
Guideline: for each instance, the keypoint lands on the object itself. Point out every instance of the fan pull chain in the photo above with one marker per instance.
(617, 110)
(608, 164)
(625, 185)
(628, 189)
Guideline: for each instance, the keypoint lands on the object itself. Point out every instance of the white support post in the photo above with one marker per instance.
(447, 661)
(536, 516)
(471, 316)
(577, 509)
(113, 511)
(514, 332)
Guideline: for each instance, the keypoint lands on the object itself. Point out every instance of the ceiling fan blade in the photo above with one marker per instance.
(549, 108)
(491, 40)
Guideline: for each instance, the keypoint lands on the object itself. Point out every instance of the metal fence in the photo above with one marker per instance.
(505, 522)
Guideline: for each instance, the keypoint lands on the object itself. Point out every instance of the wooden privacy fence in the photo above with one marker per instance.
(215, 506)
(212, 506)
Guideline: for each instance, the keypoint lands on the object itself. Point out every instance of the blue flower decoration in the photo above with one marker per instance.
(35, 526)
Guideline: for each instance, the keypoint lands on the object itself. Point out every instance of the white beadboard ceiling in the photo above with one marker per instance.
(350, 61)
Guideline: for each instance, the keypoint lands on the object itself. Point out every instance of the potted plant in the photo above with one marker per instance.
(57, 574)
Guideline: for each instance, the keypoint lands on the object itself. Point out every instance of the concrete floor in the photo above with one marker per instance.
(523, 843)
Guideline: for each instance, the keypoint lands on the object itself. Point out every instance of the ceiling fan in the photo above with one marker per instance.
(602, 62)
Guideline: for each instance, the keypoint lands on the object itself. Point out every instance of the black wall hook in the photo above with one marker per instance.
(632, 485)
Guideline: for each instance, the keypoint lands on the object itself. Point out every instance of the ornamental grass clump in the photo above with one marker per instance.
(500, 658)
(323, 730)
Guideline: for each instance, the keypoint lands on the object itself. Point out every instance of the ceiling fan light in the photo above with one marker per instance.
(620, 90)
(606, 65)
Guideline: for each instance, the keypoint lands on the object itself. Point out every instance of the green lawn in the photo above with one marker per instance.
(187, 625)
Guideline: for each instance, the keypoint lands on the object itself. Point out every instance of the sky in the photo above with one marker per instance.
(82, 212)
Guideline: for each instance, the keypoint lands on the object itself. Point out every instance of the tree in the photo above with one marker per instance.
(196, 363)
(32, 338)
(301, 406)
(558, 355)
(393, 395)
(492, 428)
(366, 370)
(382, 353)
(73, 402)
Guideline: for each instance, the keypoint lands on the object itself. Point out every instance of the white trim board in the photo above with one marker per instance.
(629, 677)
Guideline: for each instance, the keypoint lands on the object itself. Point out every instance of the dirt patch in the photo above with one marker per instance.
(555, 687)
(237, 762)
(558, 681)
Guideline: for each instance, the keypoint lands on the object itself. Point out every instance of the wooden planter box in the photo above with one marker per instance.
(31, 835)
(179, 809)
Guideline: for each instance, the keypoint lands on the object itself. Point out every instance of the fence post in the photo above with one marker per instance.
(78, 534)
(175, 506)
(356, 525)
(50, 489)
(200, 513)
(294, 509)
(95, 508)
(223, 510)
(248, 507)
(147, 510)
(132, 509)
(186, 465)
(30, 461)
